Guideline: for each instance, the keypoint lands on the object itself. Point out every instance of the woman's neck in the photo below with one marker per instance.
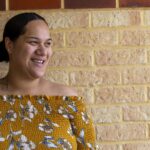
(21, 85)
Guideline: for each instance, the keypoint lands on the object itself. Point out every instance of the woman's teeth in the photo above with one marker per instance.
(38, 61)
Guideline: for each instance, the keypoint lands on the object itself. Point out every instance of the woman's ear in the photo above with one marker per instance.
(8, 45)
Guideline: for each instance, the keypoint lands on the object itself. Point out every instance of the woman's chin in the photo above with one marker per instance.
(36, 75)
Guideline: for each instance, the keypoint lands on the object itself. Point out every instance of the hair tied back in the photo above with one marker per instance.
(3, 52)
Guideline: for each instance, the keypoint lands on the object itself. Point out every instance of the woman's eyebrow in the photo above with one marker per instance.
(36, 38)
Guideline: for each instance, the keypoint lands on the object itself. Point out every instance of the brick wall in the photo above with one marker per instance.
(105, 54)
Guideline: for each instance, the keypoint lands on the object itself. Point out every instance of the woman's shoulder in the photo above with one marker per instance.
(60, 89)
(46, 87)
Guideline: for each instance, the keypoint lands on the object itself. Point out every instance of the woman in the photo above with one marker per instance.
(36, 113)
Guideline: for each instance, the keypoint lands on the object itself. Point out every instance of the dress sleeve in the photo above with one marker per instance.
(82, 125)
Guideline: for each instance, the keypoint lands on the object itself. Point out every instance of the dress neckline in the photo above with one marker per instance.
(36, 95)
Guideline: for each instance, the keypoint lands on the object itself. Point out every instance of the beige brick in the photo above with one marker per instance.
(71, 58)
(104, 114)
(138, 75)
(3, 69)
(66, 19)
(99, 77)
(4, 66)
(137, 146)
(87, 93)
(82, 78)
(136, 113)
(91, 38)
(130, 37)
(107, 56)
(57, 76)
(104, 95)
(134, 37)
(109, 147)
(107, 76)
(121, 132)
(3, 19)
(58, 39)
(12, 13)
(3, 73)
(145, 37)
(115, 18)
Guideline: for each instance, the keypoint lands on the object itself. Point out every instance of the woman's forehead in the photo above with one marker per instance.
(37, 28)
(36, 25)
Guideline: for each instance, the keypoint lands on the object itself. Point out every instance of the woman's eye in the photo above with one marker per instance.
(48, 44)
(33, 42)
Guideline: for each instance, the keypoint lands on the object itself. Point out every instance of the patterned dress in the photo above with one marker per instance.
(45, 122)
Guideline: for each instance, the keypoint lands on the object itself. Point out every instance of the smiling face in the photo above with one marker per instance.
(29, 54)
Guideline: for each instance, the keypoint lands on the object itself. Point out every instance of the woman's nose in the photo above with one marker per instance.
(42, 50)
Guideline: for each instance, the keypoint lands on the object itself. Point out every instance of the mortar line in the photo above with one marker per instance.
(62, 4)
(117, 3)
(7, 4)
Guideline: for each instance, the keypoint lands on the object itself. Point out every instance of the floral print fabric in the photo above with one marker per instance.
(45, 122)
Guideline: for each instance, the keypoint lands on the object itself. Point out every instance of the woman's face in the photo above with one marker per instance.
(29, 54)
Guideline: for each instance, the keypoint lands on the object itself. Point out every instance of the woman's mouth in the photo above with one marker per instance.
(38, 61)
